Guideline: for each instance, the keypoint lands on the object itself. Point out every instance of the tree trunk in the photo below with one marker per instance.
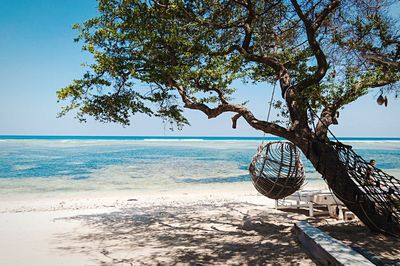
(326, 161)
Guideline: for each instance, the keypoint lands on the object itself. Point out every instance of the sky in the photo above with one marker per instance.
(38, 56)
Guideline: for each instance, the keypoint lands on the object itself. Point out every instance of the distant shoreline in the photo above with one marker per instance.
(174, 138)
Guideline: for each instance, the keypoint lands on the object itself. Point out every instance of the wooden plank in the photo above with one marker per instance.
(326, 250)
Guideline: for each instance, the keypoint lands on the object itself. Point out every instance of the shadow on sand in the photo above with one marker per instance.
(354, 234)
(195, 234)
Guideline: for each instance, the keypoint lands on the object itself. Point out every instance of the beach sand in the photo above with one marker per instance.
(218, 226)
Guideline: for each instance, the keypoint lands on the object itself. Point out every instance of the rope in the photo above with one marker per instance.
(269, 110)
(264, 134)
(270, 103)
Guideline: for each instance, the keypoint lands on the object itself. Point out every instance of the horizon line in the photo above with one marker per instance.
(175, 136)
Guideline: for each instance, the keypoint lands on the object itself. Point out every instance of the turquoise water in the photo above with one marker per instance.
(38, 164)
(165, 138)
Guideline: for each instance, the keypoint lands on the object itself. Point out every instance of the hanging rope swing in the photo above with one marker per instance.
(276, 169)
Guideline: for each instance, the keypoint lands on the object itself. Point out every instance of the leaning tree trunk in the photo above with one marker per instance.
(326, 160)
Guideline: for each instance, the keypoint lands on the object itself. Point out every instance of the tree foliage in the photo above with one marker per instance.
(152, 56)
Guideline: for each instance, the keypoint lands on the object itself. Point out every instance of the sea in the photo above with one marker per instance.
(44, 165)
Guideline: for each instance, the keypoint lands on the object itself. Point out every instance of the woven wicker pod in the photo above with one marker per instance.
(277, 170)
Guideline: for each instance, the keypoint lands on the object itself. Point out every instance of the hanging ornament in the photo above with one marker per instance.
(380, 100)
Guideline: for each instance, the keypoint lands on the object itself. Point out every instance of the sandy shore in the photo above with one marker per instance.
(202, 227)
(234, 226)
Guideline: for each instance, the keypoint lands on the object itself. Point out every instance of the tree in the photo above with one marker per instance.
(324, 54)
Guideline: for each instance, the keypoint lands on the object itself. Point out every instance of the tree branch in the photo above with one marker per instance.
(247, 25)
(267, 60)
(381, 60)
(328, 117)
(235, 108)
(205, 87)
(311, 31)
(234, 120)
(270, 61)
(357, 89)
(320, 18)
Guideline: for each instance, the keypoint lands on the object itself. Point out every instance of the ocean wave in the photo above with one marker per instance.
(22, 167)
(168, 140)
(210, 180)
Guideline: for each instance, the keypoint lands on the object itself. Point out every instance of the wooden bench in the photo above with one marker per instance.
(326, 250)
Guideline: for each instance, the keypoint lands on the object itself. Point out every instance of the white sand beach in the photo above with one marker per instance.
(219, 226)
(202, 227)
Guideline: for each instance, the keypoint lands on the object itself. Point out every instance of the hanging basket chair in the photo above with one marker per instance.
(276, 169)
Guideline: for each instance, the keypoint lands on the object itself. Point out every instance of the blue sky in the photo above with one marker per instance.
(38, 56)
